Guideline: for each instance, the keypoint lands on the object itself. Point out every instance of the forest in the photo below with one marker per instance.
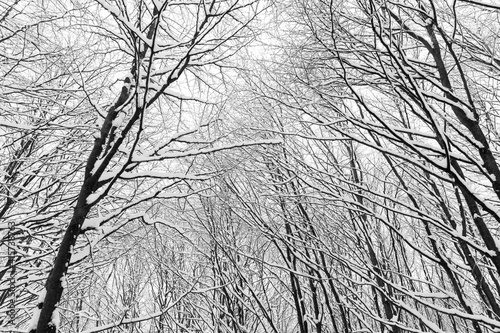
(249, 166)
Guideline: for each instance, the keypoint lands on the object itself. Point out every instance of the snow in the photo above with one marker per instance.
(167, 223)
(108, 175)
(134, 320)
(195, 152)
(92, 223)
(16, 126)
(176, 94)
(116, 12)
(41, 296)
(497, 243)
(80, 255)
(96, 166)
(36, 312)
(158, 174)
(157, 3)
(104, 232)
(119, 120)
(56, 319)
(458, 105)
(487, 3)
(417, 314)
(64, 282)
(34, 319)
(177, 71)
(92, 198)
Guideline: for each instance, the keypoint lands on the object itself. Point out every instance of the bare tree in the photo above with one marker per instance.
(386, 111)
(147, 73)
(407, 92)
(378, 212)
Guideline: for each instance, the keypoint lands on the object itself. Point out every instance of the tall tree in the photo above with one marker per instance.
(387, 112)
(108, 105)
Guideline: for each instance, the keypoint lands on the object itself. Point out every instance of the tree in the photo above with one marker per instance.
(43, 129)
(69, 185)
(386, 113)
(376, 212)
(408, 93)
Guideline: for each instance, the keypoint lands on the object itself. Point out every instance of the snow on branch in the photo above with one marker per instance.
(203, 151)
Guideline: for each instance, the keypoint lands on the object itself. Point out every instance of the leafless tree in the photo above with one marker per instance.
(107, 106)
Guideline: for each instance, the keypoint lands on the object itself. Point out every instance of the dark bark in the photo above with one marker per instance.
(53, 285)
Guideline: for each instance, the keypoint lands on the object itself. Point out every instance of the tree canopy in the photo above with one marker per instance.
(249, 166)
